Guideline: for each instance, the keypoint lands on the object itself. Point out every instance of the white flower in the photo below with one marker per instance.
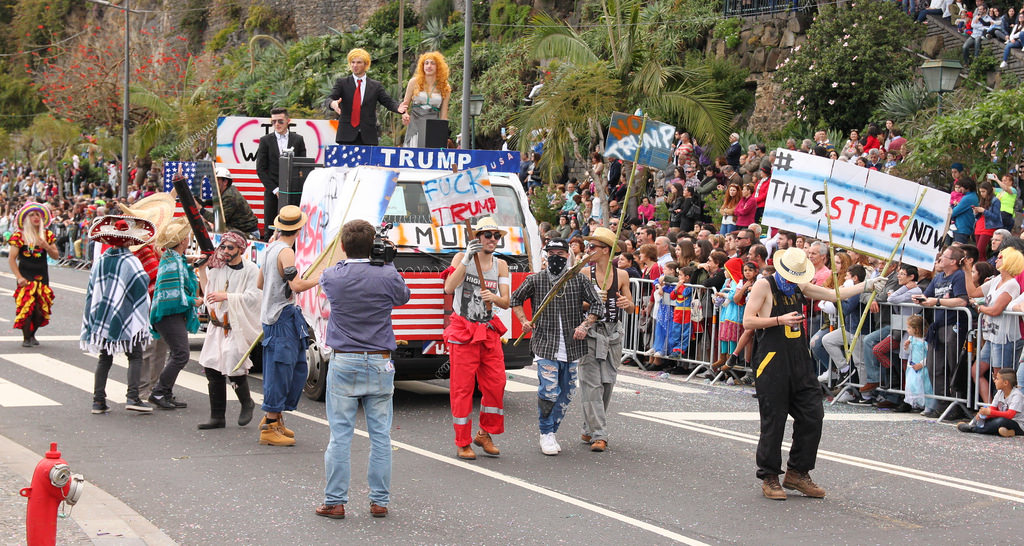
(855, 25)
(854, 84)
(854, 57)
(846, 44)
(879, 17)
(831, 101)
(797, 48)
(835, 84)
(801, 99)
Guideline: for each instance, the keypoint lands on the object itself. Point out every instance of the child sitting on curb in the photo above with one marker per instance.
(1005, 415)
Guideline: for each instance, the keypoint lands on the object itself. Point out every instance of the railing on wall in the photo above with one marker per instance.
(750, 8)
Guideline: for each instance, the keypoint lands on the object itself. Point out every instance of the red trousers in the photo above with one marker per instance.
(476, 358)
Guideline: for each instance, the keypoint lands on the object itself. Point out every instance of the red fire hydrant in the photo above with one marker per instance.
(52, 484)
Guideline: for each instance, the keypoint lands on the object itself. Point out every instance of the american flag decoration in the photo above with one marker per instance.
(198, 173)
(346, 156)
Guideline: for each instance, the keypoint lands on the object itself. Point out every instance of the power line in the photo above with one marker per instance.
(40, 48)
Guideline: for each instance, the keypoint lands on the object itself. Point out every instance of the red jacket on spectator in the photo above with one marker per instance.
(745, 210)
(871, 143)
(761, 192)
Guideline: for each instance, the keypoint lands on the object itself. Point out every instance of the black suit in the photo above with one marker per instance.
(267, 165)
(732, 155)
(372, 93)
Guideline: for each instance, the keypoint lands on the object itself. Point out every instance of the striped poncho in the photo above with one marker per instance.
(174, 292)
(116, 316)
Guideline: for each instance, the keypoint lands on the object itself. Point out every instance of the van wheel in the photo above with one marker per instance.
(316, 378)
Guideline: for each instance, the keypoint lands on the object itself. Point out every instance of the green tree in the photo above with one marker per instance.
(50, 139)
(851, 55)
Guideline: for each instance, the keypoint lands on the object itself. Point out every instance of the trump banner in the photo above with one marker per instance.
(460, 196)
(869, 209)
(624, 136)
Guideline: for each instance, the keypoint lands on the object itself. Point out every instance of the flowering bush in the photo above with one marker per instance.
(851, 56)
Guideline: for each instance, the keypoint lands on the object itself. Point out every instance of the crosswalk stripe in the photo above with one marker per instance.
(13, 395)
(186, 380)
(532, 374)
(41, 338)
(67, 287)
(66, 373)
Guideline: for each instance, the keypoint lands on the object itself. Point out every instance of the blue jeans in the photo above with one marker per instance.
(557, 379)
(284, 361)
(821, 357)
(872, 368)
(369, 378)
(1016, 44)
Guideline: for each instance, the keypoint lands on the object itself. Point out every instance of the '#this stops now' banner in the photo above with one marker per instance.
(459, 196)
(869, 209)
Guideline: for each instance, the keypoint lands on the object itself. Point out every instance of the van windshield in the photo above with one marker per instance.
(409, 205)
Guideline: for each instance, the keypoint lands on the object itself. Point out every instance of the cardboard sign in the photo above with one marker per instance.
(624, 135)
(422, 158)
(459, 196)
(869, 209)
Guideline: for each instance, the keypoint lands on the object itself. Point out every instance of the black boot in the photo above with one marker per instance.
(218, 399)
(26, 333)
(241, 386)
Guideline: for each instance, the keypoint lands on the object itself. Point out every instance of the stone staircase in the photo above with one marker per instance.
(938, 29)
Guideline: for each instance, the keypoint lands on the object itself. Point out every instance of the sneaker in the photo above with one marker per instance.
(845, 396)
(965, 427)
(801, 481)
(555, 441)
(100, 408)
(771, 489)
(862, 401)
(1002, 65)
(1007, 432)
(823, 378)
(162, 402)
(177, 403)
(547, 444)
(930, 414)
(887, 404)
(138, 405)
(903, 408)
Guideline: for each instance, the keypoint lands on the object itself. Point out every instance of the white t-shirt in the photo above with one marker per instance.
(1004, 328)
(1015, 402)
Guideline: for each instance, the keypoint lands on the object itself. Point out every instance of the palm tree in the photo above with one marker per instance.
(625, 63)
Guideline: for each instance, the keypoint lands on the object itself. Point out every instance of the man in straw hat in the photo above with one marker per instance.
(174, 314)
(557, 338)
(284, 329)
(232, 299)
(604, 338)
(159, 210)
(473, 338)
(116, 316)
(786, 381)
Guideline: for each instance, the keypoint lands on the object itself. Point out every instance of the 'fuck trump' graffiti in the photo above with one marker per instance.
(457, 197)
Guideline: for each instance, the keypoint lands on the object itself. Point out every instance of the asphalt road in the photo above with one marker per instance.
(680, 465)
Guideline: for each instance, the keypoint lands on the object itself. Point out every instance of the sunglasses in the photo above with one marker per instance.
(229, 247)
(279, 121)
(490, 235)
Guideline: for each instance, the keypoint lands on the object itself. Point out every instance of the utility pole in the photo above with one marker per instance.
(124, 118)
(467, 53)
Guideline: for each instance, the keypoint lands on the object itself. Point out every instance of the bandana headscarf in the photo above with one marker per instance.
(218, 259)
(785, 286)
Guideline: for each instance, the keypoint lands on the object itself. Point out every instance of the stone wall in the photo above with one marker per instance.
(764, 42)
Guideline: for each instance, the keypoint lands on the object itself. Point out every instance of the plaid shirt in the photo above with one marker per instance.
(566, 308)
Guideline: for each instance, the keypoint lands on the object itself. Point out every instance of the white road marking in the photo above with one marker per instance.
(684, 416)
(4, 319)
(532, 374)
(67, 287)
(66, 373)
(13, 395)
(868, 464)
(420, 387)
(41, 338)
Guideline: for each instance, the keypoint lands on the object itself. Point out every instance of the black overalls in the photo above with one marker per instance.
(786, 385)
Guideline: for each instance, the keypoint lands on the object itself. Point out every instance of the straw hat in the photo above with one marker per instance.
(176, 231)
(290, 218)
(116, 230)
(793, 265)
(604, 236)
(157, 208)
(30, 207)
(488, 224)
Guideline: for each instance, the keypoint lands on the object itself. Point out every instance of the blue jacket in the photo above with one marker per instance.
(993, 215)
(963, 213)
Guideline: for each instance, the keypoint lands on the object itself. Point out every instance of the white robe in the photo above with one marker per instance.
(224, 348)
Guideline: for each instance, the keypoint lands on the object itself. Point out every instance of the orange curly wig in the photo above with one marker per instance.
(441, 75)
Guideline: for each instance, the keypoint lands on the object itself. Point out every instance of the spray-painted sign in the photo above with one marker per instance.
(624, 135)
(459, 196)
(869, 209)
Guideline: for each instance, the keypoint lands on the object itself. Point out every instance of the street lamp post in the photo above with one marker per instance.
(476, 105)
(940, 76)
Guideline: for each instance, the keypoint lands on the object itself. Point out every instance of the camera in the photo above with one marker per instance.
(383, 250)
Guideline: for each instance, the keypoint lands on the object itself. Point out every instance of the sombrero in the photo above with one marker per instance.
(30, 207)
(488, 224)
(604, 236)
(157, 208)
(793, 265)
(116, 230)
(176, 231)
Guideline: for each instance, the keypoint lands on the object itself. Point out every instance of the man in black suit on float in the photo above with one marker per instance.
(270, 149)
(358, 123)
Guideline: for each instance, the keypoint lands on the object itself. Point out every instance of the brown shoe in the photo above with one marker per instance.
(272, 436)
(868, 387)
(771, 488)
(466, 452)
(599, 445)
(1007, 432)
(585, 438)
(717, 364)
(483, 440)
(284, 431)
(333, 511)
(378, 511)
(801, 481)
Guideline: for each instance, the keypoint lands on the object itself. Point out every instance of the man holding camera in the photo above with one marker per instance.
(473, 337)
(362, 295)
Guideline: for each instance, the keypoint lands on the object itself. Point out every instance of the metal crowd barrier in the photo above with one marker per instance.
(989, 375)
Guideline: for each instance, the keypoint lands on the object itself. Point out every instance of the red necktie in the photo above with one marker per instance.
(357, 104)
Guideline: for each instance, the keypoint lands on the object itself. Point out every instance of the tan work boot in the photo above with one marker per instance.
(801, 481)
(466, 452)
(586, 438)
(717, 364)
(483, 440)
(271, 435)
(599, 446)
(771, 488)
(280, 422)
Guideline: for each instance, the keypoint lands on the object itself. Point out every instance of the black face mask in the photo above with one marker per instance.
(556, 264)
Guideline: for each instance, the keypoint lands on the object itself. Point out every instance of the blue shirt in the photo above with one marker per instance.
(946, 287)
(362, 297)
